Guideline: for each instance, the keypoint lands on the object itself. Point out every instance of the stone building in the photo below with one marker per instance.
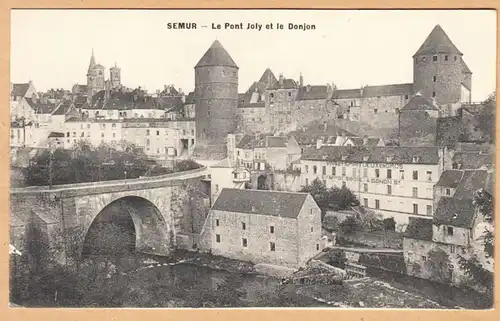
(216, 101)
(393, 181)
(95, 77)
(313, 103)
(455, 229)
(115, 76)
(280, 103)
(265, 227)
(418, 121)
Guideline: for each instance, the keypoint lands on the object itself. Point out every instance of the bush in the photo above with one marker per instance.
(349, 226)
(389, 224)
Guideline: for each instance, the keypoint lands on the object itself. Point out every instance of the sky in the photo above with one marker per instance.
(350, 48)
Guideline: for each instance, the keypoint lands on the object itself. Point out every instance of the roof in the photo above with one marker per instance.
(268, 78)
(312, 92)
(360, 141)
(473, 160)
(455, 212)
(450, 178)
(20, 89)
(62, 109)
(419, 102)
(120, 100)
(170, 103)
(419, 229)
(41, 108)
(448, 131)
(437, 42)
(190, 98)
(346, 93)
(465, 68)
(225, 163)
(262, 141)
(471, 182)
(55, 135)
(358, 154)
(272, 203)
(216, 55)
(374, 91)
(287, 84)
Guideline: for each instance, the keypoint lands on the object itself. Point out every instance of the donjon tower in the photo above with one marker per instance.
(439, 71)
(216, 100)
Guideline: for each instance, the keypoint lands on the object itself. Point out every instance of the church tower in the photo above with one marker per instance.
(439, 71)
(115, 76)
(95, 77)
(216, 97)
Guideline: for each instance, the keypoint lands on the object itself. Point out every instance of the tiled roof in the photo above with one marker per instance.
(473, 160)
(210, 152)
(346, 93)
(20, 89)
(55, 135)
(419, 229)
(388, 90)
(216, 55)
(455, 212)
(262, 141)
(471, 182)
(119, 100)
(450, 178)
(41, 108)
(437, 42)
(170, 103)
(287, 84)
(190, 98)
(80, 101)
(359, 141)
(312, 93)
(448, 131)
(225, 163)
(62, 109)
(358, 154)
(268, 78)
(419, 102)
(272, 203)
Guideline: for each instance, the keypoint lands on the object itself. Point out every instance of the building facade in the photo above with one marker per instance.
(267, 227)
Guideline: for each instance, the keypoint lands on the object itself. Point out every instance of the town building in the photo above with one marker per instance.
(393, 181)
(455, 230)
(226, 174)
(418, 121)
(216, 101)
(265, 227)
(280, 102)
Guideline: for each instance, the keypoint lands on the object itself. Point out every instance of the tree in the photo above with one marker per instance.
(349, 225)
(389, 224)
(438, 265)
(484, 202)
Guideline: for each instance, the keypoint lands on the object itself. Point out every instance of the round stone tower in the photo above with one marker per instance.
(216, 96)
(438, 68)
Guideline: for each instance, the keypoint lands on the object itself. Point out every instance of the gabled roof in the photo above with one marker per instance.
(262, 141)
(41, 108)
(216, 55)
(473, 160)
(358, 154)
(465, 68)
(471, 182)
(225, 163)
(62, 109)
(419, 102)
(360, 141)
(272, 203)
(388, 90)
(450, 178)
(20, 89)
(287, 84)
(437, 42)
(268, 78)
(419, 229)
(455, 212)
(346, 93)
(276, 141)
(190, 98)
(170, 103)
(312, 92)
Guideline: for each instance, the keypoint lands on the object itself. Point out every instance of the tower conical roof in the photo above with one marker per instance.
(268, 78)
(437, 42)
(216, 55)
(92, 61)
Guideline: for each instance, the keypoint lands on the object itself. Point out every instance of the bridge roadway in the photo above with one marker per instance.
(130, 184)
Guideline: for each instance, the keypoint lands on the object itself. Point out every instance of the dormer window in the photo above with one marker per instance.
(388, 159)
(434, 58)
(415, 159)
(448, 192)
(445, 58)
(344, 157)
(365, 158)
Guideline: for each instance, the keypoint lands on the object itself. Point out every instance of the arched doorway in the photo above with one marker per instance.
(126, 225)
(261, 182)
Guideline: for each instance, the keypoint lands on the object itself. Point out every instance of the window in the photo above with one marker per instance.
(377, 204)
(415, 192)
(244, 242)
(147, 142)
(354, 172)
(343, 171)
(102, 135)
(365, 187)
(307, 182)
(415, 175)
(217, 238)
(147, 132)
(88, 125)
(389, 173)
(434, 58)
(429, 209)
(450, 231)
(315, 169)
(157, 133)
(324, 182)
(271, 229)
(317, 247)
(415, 208)
(271, 95)
(272, 246)
(424, 258)
(324, 170)
(375, 111)
(243, 226)
(429, 176)
(365, 202)
(402, 173)
(289, 94)
(365, 172)
(389, 190)
(334, 170)
(448, 192)
(455, 58)
(217, 222)
(377, 173)
(433, 94)
(453, 250)
(114, 134)
(434, 78)
(445, 58)
(82, 134)
(406, 97)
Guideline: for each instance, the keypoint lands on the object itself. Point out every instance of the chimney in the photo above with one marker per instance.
(365, 140)
(183, 97)
(308, 88)
(361, 91)
(325, 126)
(180, 90)
(301, 80)
(281, 80)
(319, 143)
(253, 208)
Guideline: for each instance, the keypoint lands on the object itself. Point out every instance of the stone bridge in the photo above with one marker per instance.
(161, 207)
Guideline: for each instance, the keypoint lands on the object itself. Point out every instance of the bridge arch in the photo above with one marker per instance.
(151, 231)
